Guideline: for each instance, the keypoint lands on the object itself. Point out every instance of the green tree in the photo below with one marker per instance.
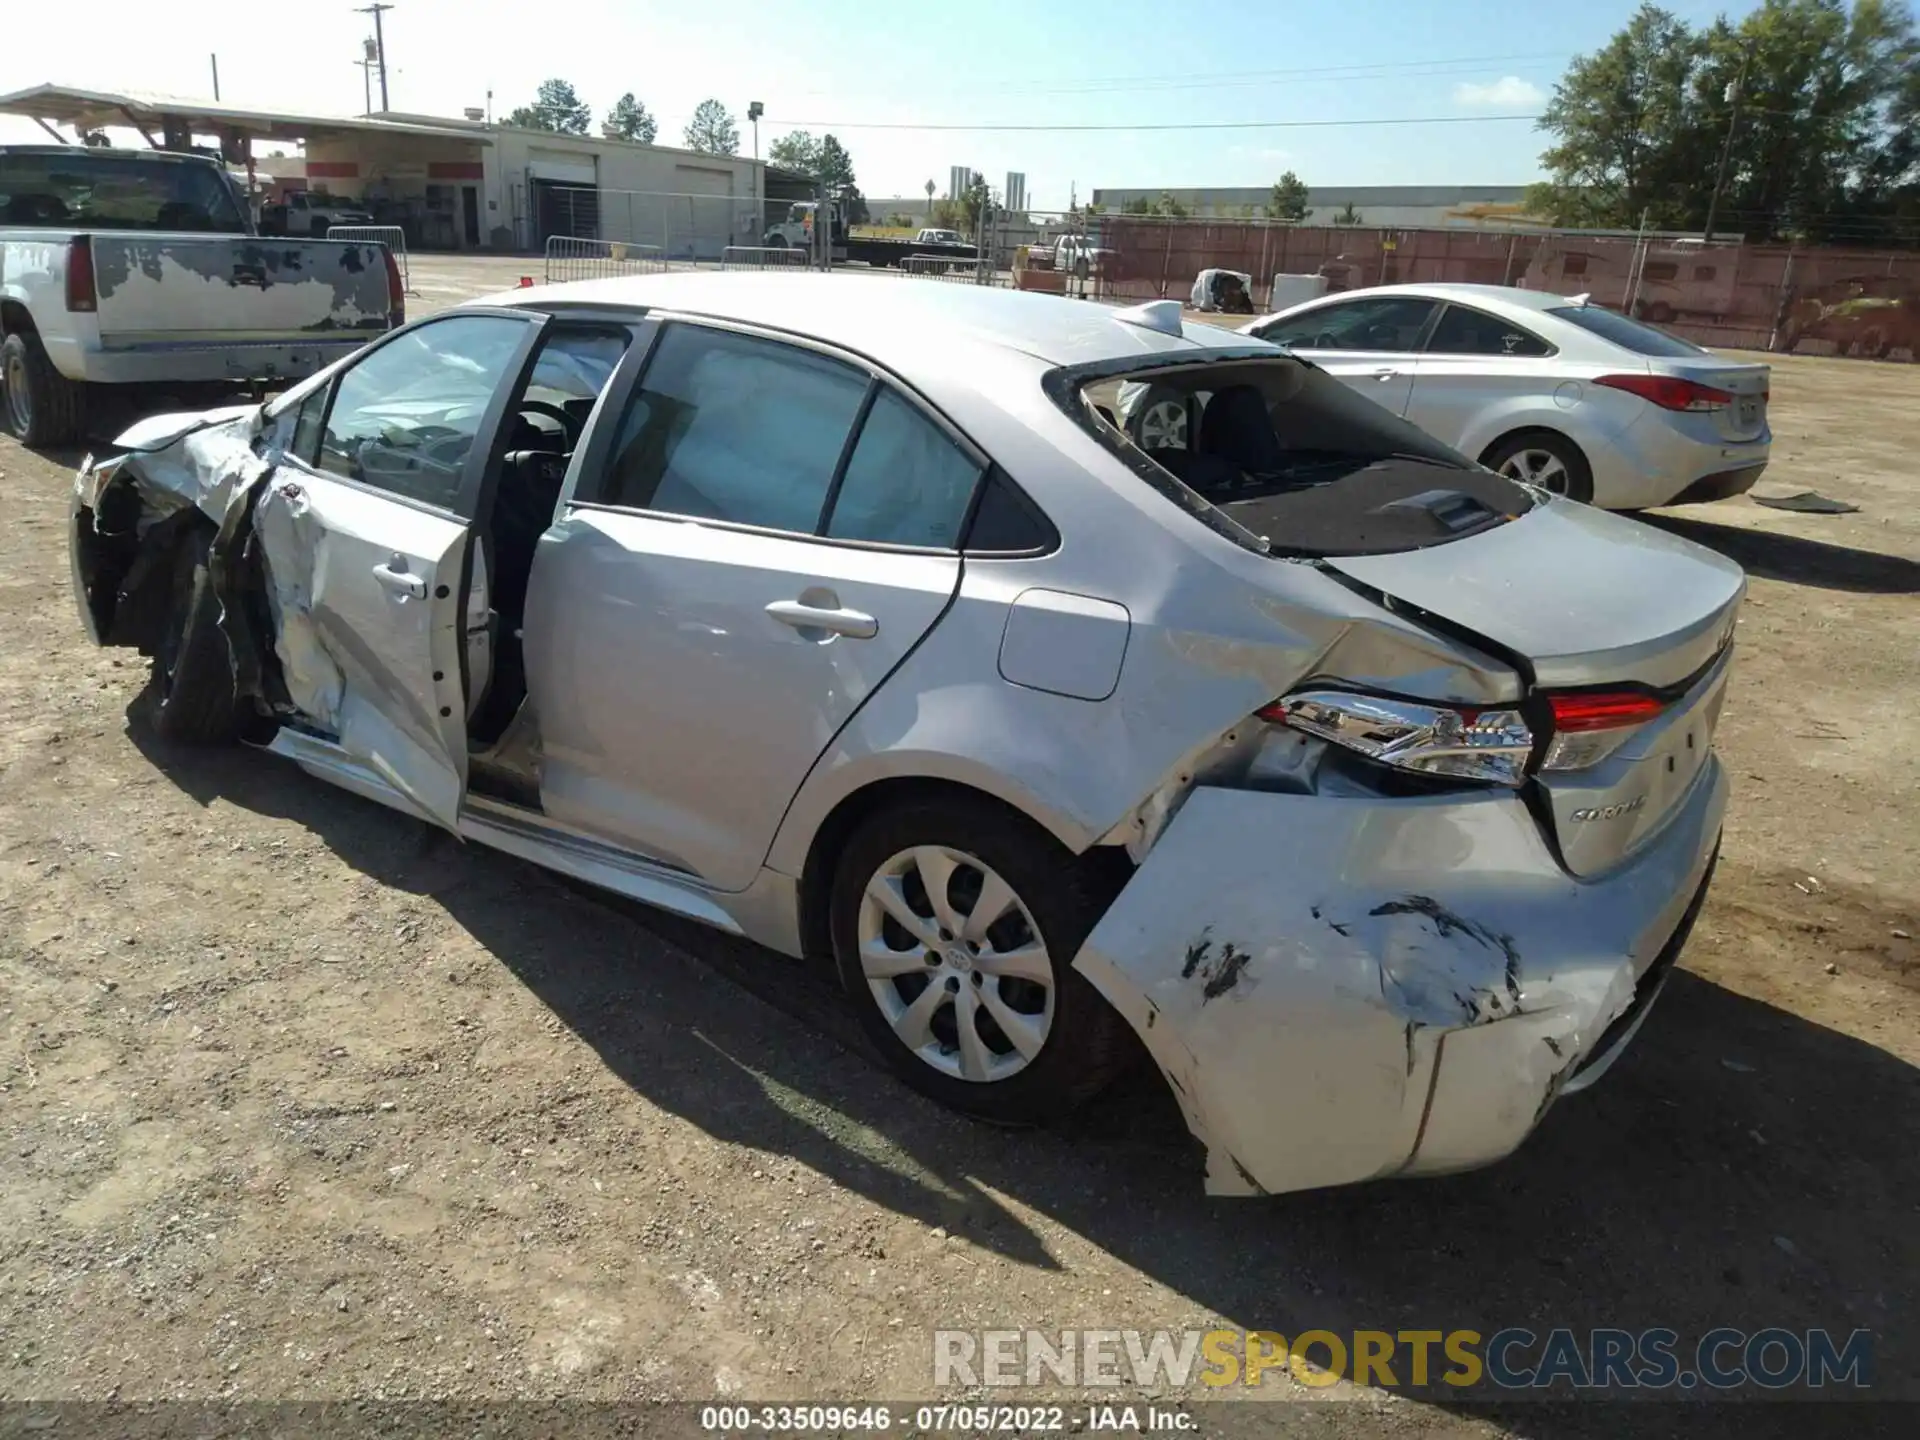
(1819, 97)
(557, 106)
(797, 151)
(1165, 203)
(712, 131)
(975, 201)
(1288, 201)
(826, 161)
(630, 120)
(1347, 215)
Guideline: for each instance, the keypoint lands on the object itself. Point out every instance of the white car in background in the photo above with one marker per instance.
(1558, 392)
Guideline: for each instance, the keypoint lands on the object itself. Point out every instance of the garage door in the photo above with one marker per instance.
(703, 218)
(559, 165)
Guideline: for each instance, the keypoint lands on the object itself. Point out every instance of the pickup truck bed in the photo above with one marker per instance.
(88, 305)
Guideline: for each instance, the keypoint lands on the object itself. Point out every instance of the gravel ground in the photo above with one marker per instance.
(302, 1099)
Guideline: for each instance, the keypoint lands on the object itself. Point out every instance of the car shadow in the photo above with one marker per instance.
(1739, 1167)
(1798, 561)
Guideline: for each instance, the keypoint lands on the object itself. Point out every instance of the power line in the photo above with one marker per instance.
(1161, 80)
(1182, 125)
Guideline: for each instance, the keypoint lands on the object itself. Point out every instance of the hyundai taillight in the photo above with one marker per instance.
(1669, 392)
(396, 291)
(1494, 744)
(82, 294)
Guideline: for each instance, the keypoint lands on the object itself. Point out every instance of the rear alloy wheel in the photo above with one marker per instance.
(1161, 422)
(1541, 458)
(954, 961)
(954, 930)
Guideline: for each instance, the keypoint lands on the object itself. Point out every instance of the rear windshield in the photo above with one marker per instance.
(1628, 334)
(98, 190)
(1298, 463)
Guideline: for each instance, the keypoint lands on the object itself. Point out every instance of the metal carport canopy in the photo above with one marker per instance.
(145, 111)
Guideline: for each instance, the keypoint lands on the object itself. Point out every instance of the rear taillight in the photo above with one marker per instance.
(82, 294)
(1590, 725)
(396, 292)
(1669, 392)
(1464, 742)
(1438, 740)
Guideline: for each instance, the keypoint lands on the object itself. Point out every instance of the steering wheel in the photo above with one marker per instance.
(1326, 340)
(569, 427)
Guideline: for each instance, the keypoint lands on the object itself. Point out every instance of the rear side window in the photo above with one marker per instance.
(1626, 333)
(731, 427)
(1472, 332)
(907, 483)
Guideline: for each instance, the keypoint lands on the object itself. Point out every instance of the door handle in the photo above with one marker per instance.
(1385, 374)
(395, 579)
(851, 623)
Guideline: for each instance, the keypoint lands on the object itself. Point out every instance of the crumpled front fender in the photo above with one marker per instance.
(1343, 988)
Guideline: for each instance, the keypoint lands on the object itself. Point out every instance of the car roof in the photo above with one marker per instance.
(1511, 296)
(902, 322)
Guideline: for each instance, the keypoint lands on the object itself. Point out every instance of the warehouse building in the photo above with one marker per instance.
(1393, 207)
(453, 184)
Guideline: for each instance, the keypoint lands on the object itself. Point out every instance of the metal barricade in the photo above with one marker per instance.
(572, 257)
(763, 257)
(391, 236)
(958, 269)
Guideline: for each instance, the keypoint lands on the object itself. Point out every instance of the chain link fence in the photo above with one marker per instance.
(685, 227)
(1731, 294)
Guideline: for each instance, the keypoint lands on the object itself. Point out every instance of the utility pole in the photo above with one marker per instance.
(216, 77)
(377, 9)
(366, 63)
(1735, 93)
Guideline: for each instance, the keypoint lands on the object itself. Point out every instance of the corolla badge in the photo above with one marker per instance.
(1611, 812)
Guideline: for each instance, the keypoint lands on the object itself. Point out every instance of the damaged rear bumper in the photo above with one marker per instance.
(1339, 989)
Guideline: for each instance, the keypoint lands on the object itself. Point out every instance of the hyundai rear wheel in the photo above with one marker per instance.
(1541, 458)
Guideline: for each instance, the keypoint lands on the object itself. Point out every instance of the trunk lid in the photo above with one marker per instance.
(1748, 383)
(1588, 600)
(184, 289)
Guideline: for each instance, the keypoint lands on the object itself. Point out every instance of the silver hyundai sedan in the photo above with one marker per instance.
(1369, 792)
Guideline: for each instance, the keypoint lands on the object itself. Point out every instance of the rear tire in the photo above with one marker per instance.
(1543, 458)
(192, 696)
(40, 406)
(1061, 1043)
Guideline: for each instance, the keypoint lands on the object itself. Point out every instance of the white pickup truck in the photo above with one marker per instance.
(126, 268)
(306, 212)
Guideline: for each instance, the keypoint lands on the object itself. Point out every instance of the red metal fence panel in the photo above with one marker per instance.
(1825, 300)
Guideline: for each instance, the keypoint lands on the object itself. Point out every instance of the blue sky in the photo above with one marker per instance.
(847, 65)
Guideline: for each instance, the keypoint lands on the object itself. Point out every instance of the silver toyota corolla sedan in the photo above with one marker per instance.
(1369, 792)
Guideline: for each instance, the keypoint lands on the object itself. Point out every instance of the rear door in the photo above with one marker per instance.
(1369, 342)
(372, 506)
(1472, 361)
(759, 533)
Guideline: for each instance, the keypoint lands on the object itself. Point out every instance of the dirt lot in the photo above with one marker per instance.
(304, 1099)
